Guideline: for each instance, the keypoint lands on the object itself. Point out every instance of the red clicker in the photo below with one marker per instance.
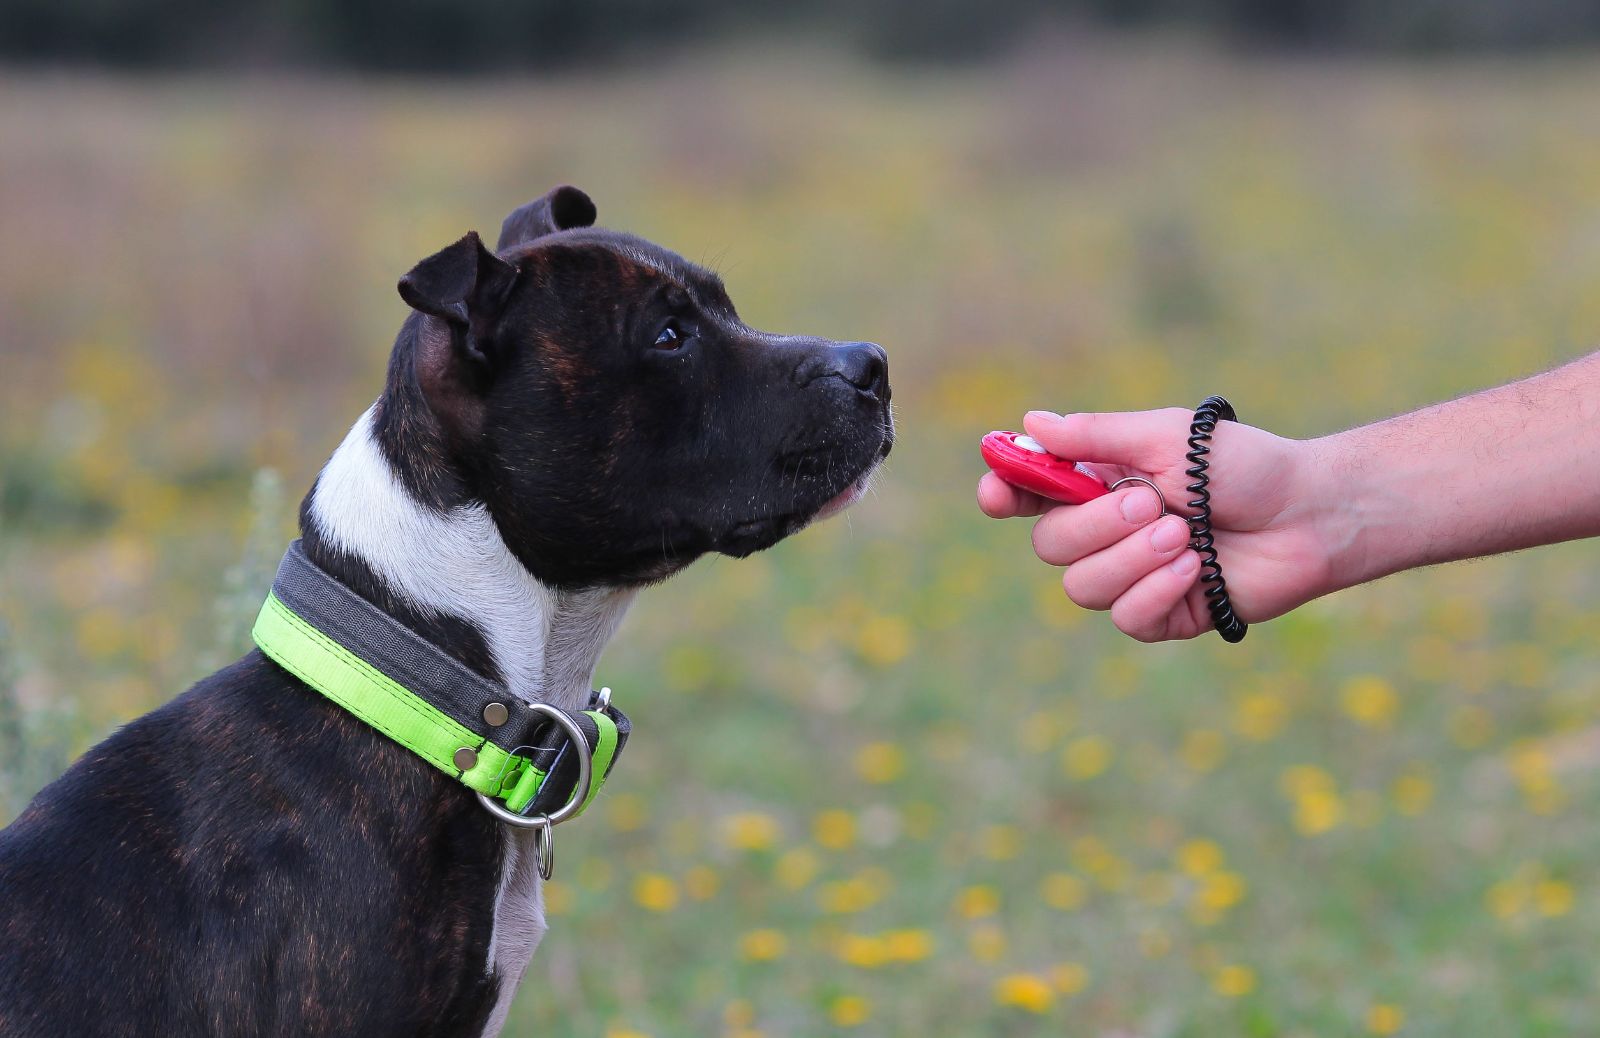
(1020, 460)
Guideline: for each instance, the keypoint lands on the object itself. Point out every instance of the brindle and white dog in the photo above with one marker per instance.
(565, 420)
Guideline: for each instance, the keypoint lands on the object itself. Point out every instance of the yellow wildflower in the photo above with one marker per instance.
(1233, 980)
(1305, 778)
(1260, 715)
(1384, 1018)
(656, 892)
(1199, 857)
(1316, 813)
(1000, 842)
(1412, 794)
(845, 896)
(1370, 700)
(880, 762)
(1506, 898)
(796, 868)
(908, 945)
(1063, 890)
(1027, 991)
(863, 951)
(1086, 757)
(750, 831)
(834, 830)
(1552, 897)
(849, 1011)
(1531, 767)
(884, 640)
(976, 902)
(1221, 890)
(763, 945)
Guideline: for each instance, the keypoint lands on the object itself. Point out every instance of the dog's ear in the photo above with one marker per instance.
(561, 209)
(464, 284)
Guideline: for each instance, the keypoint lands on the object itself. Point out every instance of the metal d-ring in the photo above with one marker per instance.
(1140, 479)
(541, 824)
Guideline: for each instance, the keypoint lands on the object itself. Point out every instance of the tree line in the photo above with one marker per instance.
(464, 36)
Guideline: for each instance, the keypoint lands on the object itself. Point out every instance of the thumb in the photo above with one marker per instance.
(1144, 440)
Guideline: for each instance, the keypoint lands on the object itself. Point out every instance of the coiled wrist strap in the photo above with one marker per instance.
(1212, 410)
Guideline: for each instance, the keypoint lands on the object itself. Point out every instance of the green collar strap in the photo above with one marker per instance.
(381, 671)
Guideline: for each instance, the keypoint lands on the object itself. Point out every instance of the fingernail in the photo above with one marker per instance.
(1169, 535)
(1185, 565)
(1049, 416)
(1140, 506)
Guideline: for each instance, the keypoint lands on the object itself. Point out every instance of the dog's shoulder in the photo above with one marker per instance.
(252, 839)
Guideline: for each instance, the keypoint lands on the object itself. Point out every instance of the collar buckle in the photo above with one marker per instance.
(543, 824)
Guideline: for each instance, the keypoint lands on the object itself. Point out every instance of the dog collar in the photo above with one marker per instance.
(532, 765)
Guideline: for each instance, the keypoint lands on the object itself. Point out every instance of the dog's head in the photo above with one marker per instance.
(602, 398)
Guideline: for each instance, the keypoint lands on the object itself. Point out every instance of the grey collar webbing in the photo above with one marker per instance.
(522, 758)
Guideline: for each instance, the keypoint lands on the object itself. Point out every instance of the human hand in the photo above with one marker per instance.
(1277, 528)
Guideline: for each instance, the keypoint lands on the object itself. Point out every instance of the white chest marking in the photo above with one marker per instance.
(546, 643)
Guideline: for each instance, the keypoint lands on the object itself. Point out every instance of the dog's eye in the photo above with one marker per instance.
(671, 337)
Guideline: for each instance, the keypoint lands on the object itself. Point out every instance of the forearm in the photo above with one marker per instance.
(1502, 469)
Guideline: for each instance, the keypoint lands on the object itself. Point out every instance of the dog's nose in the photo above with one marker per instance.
(864, 365)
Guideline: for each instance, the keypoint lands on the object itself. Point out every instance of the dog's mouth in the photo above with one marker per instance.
(755, 535)
(823, 481)
(846, 497)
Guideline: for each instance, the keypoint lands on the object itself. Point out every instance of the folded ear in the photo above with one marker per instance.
(466, 285)
(561, 209)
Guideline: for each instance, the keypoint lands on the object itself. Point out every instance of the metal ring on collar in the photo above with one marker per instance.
(1140, 479)
(580, 791)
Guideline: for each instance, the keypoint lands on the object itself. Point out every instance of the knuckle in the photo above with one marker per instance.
(1139, 628)
(1080, 588)
(1053, 539)
(1045, 541)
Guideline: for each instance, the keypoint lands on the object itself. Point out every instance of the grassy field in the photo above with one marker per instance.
(887, 780)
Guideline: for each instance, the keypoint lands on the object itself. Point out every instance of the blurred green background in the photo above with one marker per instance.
(887, 780)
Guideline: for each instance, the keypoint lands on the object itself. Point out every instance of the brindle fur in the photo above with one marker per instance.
(250, 860)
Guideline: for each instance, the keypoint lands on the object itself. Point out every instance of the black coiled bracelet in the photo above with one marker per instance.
(1212, 410)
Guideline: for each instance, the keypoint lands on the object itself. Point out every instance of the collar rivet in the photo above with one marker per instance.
(465, 758)
(496, 714)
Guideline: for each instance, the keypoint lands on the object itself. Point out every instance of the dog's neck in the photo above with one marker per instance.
(449, 573)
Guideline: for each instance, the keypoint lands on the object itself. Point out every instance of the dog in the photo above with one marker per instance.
(565, 420)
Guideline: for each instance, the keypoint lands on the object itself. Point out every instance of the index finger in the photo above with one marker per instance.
(1141, 440)
(1001, 500)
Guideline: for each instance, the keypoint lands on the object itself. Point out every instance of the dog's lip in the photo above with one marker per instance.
(845, 498)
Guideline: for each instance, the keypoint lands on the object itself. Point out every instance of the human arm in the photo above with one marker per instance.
(1499, 470)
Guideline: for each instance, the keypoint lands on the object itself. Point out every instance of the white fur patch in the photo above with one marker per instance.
(519, 922)
(546, 643)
